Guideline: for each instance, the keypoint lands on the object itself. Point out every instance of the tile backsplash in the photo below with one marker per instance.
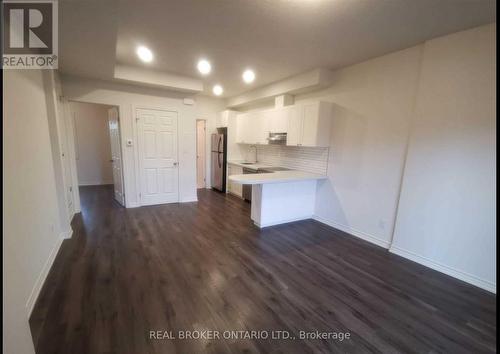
(310, 159)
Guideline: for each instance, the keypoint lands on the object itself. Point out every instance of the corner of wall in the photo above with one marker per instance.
(37, 287)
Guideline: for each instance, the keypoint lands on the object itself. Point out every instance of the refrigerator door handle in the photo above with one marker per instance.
(218, 145)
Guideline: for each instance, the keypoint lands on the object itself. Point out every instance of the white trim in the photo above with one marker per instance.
(351, 231)
(67, 234)
(453, 272)
(261, 226)
(189, 199)
(42, 277)
(69, 126)
(98, 183)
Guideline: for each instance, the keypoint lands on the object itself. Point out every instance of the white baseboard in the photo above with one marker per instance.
(281, 221)
(453, 272)
(98, 183)
(35, 292)
(132, 205)
(189, 199)
(67, 234)
(357, 233)
(183, 200)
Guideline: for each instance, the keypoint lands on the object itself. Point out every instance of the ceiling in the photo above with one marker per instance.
(276, 38)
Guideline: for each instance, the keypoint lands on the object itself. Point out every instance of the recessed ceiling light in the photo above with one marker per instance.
(217, 90)
(204, 66)
(145, 54)
(248, 76)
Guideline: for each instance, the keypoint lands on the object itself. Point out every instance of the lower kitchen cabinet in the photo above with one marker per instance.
(234, 188)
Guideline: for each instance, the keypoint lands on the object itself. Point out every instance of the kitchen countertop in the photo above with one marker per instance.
(276, 177)
(253, 166)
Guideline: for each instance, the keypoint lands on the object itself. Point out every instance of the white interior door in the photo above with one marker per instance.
(116, 156)
(200, 154)
(158, 159)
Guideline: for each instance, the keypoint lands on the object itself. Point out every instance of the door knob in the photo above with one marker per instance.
(175, 163)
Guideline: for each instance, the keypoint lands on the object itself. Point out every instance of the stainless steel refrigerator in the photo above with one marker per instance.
(218, 158)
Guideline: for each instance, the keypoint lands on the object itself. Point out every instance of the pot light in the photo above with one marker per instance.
(145, 54)
(217, 90)
(248, 76)
(204, 66)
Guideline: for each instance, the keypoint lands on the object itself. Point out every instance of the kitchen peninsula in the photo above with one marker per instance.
(281, 196)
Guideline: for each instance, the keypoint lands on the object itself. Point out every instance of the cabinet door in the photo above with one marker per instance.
(253, 128)
(242, 128)
(262, 126)
(310, 124)
(278, 120)
(235, 188)
(294, 127)
(250, 133)
(221, 120)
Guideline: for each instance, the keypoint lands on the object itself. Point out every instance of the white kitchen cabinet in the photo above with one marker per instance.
(306, 125)
(244, 134)
(222, 118)
(252, 128)
(234, 188)
(309, 125)
(278, 119)
(294, 127)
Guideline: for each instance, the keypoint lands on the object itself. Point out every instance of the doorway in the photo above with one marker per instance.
(201, 166)
(116, 154)
(98, 154)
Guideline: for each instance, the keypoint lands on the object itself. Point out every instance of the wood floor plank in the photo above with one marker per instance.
(205, 266)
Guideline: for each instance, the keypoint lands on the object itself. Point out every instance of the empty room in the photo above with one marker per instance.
(249, 176)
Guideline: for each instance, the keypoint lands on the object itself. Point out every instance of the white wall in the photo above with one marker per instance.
(372, 108)
(92, 143)
(432, 108)
(127, 98)
(447, 212)
(31, 216)
(56, 132)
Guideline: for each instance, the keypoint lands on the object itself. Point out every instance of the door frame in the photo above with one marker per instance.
(71, 132)
(68, 163)
(205, 154)
(120, 149)
(138, 151)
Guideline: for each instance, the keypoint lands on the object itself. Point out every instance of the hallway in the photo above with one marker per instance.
(204, 266)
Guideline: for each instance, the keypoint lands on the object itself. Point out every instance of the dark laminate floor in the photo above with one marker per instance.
(205, 266)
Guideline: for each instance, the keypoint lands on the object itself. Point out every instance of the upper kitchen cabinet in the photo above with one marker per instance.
(278, 119)
(309, 125)
(252, 128)
(222, 119)
(305, 125)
